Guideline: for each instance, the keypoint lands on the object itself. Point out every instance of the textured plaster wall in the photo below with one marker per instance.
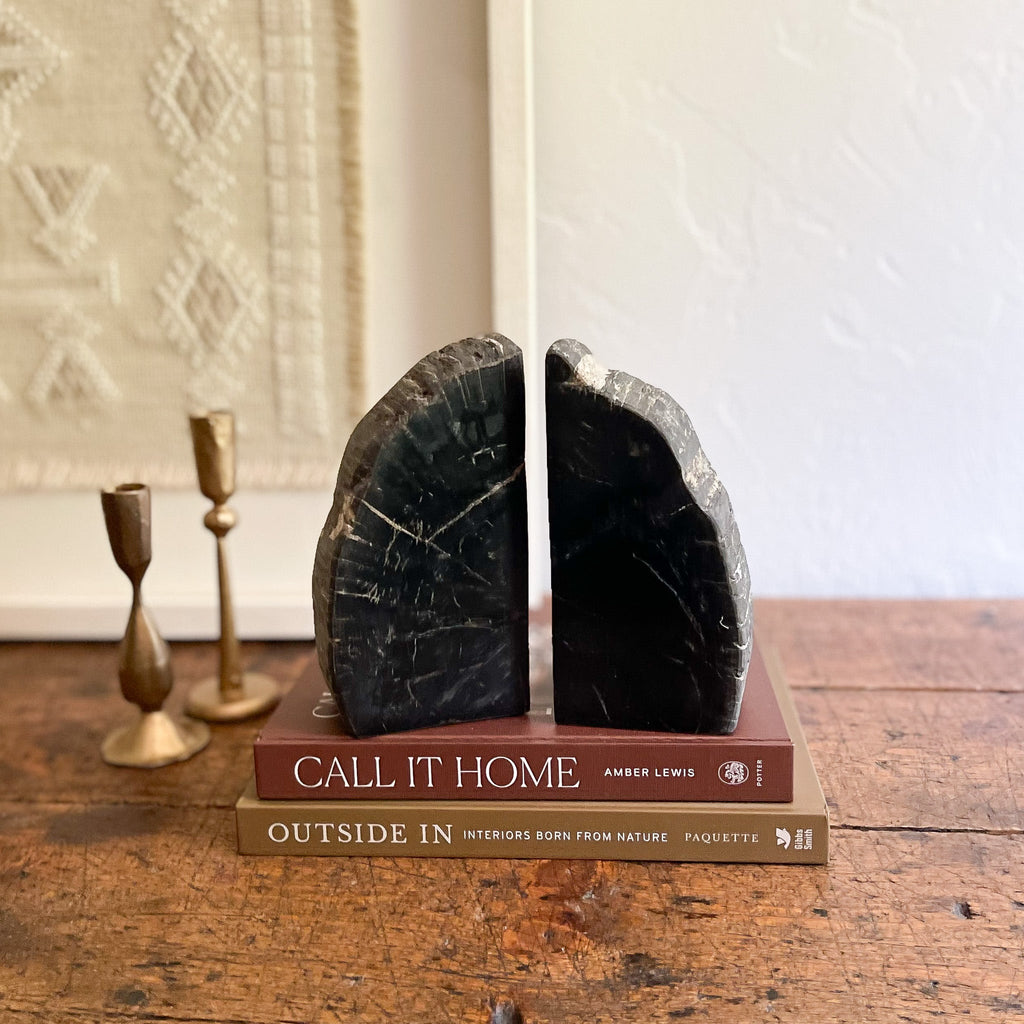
(805, 220)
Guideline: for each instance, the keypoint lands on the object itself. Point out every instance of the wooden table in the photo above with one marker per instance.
(123, 898)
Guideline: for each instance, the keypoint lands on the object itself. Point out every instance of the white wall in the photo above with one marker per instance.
(805, 220)
(427, 222)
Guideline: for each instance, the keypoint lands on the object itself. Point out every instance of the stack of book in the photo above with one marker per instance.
(527, 787)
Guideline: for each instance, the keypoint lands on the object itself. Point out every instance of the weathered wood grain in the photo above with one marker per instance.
(64, 710)
(126, 910)
(929, 645)
(122, 899)
(918, 759)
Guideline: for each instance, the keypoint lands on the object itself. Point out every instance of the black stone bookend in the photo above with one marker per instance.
(420, 577)
(651, 615)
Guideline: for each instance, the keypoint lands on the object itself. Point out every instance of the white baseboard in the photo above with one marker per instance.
(182, 621)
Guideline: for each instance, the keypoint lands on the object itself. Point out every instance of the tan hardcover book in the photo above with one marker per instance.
(764, 833)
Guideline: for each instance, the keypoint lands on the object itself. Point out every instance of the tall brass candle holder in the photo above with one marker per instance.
(234, 694)
(144, 662)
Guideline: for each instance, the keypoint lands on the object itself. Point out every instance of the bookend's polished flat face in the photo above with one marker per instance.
(420, 577)
(651, 615)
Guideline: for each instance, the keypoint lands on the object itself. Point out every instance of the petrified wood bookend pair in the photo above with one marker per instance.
(419, 584)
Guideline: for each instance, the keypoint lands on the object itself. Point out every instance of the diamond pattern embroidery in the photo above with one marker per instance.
(202, 92)
(211, 305)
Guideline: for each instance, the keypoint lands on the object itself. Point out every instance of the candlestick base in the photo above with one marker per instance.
(259, 693)
(154, 741)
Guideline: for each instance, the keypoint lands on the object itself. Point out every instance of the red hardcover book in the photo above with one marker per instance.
(302, 754)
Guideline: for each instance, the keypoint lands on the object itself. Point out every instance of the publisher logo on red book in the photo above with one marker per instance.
(733, 773)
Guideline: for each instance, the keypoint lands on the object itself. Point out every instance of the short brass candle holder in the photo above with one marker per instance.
(144, 662)
(233, 694)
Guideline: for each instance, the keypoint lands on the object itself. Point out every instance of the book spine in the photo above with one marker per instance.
(769, 835)
(711, 771)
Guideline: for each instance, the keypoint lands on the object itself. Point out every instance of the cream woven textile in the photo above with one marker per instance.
(179, 229)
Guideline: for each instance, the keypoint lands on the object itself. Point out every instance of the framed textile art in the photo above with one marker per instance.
(181, 229)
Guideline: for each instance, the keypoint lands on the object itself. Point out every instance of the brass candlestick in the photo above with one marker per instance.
(235, 694)
(144, 662)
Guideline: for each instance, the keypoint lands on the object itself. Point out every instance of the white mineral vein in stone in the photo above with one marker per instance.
(478, 501)
(428, 541)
